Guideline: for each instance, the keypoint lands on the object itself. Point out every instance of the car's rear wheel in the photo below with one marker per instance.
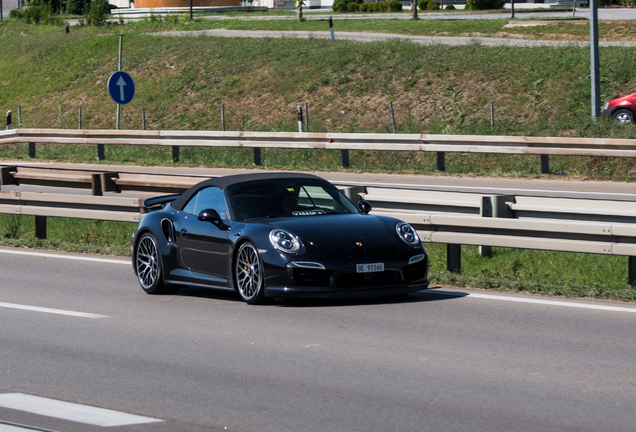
(623, 117)
(249, 274)
(148, 266)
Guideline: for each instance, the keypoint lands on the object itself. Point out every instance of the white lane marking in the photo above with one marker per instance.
(71, 411)
(52, 311)
(535, 301)
(4, 427)
(69, 257)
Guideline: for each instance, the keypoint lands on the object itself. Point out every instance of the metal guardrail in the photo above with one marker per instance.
(336, 141)
(43, 205)
(453, 218)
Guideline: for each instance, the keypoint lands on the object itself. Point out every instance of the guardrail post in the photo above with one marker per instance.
(40, 227)
(100, 152)
(96, 184)
(107, 181)
(6, 178)
(9, 120)
(545, 164)
(32, 150)
(175, 153)
(19, 116)
(441, 166)
(494, 206)
(454, 258)
(257, 156)
(344, 158)
(306, 118)
(631, 273)
(486, 211)
(353, 192)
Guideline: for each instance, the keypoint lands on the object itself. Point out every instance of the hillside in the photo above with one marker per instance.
(182, 83)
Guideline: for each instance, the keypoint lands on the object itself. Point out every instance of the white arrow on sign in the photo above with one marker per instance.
(121, 83)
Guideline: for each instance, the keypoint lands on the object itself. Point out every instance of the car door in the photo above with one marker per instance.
(203, 246)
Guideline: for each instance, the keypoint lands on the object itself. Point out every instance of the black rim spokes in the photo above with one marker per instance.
(248, 272)
(146, 262)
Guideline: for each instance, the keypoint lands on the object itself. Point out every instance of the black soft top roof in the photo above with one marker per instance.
(226, 181)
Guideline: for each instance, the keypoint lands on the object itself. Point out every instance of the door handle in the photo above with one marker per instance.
(183, 233)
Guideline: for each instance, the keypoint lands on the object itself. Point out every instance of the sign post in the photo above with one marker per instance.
(121, 89)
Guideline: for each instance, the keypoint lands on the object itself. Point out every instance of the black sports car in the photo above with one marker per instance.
(275, 235)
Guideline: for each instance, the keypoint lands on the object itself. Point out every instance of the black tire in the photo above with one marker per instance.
(149, 267)
(623, 117)
(248, 274)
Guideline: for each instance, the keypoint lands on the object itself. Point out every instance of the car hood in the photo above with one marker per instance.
(623, 100)
(345, 237)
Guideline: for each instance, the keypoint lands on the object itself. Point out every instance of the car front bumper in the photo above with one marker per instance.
(608, 112)
(344, 293)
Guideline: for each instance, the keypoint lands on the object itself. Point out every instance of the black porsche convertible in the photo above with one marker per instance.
(275, 235)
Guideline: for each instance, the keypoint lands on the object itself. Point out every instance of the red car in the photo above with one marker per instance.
(621, 110)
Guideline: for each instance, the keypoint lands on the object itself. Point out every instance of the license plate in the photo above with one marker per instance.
(370, 268)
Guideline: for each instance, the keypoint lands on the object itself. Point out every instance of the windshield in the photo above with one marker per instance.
(287, 198)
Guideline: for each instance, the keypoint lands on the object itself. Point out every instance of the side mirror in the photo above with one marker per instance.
(364, 206)
(212, 216)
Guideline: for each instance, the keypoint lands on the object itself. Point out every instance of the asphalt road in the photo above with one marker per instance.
(375, 37)
(203, 360)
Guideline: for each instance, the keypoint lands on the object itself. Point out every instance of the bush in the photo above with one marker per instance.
(395, 6)
(352, 7)
(340, 6)
(363, 7)
(96, 12)
(16, 13)
(432, 5)
(42, 14)
(484, 4)
(55, 6)
(422, 4)
(449, 7)
(75, 7)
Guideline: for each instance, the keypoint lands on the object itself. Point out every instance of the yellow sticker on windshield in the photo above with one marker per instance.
(290, 189)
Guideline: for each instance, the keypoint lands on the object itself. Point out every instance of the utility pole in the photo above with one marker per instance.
(595, 77)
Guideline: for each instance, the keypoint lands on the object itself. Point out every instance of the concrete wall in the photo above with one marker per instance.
(7, 5)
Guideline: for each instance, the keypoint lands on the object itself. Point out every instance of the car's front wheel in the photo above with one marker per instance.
(623, 117)
(249, 274)
(148, 266)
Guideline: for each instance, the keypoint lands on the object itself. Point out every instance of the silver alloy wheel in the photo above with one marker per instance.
(147, 262)
(623, 118)
(248, 272)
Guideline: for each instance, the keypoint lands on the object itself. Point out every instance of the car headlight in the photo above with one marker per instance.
(284, 241)
(606, 105)
(407, 234)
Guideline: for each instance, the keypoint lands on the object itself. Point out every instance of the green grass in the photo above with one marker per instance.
(72, 235)
(537, 272)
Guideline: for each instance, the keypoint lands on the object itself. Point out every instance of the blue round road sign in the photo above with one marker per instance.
(121, 87)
